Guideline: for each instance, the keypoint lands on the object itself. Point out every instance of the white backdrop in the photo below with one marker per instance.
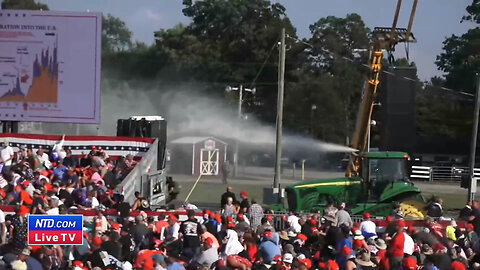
(50, 66)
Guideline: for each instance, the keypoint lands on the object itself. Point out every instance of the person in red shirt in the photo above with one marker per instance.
(381, 256)
(395, 252)
(25, 198)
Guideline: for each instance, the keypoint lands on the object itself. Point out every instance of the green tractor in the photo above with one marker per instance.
(374, 181)
(383, 181)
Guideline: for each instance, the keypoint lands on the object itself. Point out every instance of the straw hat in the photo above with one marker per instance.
(363, 259)
(358, 235)
(380, 244)
(283, 235)
(426, 249)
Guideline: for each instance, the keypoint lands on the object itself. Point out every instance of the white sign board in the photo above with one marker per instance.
(50, 66)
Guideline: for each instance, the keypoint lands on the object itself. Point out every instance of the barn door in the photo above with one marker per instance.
(209, 161)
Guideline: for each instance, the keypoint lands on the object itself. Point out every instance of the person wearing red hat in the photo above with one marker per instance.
(305, 263)
(395, 252)
(242, 224)
(172, 229)
(440, 258)
(456, 265)
(18, 228)
(208, 256)
(244, 203)
(368, 227)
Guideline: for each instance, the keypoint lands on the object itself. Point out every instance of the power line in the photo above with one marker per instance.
(264, 63)
(458, 92)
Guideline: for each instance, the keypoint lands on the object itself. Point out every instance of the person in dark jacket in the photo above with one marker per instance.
(228, 193)
(435, 209)
(466, 212)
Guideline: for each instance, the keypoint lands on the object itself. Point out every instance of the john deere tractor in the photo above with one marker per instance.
(374, 181)
(382, 183)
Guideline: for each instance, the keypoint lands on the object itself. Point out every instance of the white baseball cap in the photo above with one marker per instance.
(288, 258)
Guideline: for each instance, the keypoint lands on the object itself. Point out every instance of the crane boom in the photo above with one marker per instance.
(385, 39)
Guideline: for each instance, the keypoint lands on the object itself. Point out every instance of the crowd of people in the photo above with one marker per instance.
(239, 234)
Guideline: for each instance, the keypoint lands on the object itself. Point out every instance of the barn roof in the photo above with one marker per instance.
(194, 140)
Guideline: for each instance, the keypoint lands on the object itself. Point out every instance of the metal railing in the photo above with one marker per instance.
(441, 173)
(421, 173)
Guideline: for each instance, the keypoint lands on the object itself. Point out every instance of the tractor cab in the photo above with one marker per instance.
(382, 171)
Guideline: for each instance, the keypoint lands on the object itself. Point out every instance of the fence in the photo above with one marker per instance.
(441, 173)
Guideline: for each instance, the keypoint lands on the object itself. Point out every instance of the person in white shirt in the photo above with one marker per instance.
(58, 148)
(7, 154)
(44, 160)
(408, 245)
(368, 227)
(293, 222)
(53, 207)
(172, 229)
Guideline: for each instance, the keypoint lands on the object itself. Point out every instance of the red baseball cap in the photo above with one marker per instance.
(409, 263)
(389, 219)
(333, 265)
(307, 262)
(456, 265)
(94, 147)
(366, 215)
(229, 219)
(313, 222)
(172, 217)
(243, 193)
(77, 264)
(26, 183)
(322, 265)
(470, 226)
(268, 234)
(438, 246)
(269, 217)
(240, 217)
(206, 211)
(402, 223)
(302, 237)
(211, 215)
(97, 241)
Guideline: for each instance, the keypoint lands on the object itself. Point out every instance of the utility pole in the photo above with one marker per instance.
(473, 185)
(278, 145)
(235, 155)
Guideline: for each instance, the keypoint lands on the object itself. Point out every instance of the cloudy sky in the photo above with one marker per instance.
(435, 19)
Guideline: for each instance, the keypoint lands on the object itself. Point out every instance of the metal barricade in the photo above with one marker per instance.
(421, 173)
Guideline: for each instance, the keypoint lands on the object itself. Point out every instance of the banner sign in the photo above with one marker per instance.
(55, 229)
(50, 66)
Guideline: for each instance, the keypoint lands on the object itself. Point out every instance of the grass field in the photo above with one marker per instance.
(208, 194)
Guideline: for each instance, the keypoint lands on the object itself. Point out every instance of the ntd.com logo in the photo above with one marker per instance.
(55, 230)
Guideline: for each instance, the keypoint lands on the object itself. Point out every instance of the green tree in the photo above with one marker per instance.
(334, 84)
(460, 59)
(23, 4)
(226, 44)
(116, 36)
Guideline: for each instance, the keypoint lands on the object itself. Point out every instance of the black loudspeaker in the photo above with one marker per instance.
(123, 127)
(396, 114)
(146, 129)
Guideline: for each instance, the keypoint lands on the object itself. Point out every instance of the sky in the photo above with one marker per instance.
(434, 20)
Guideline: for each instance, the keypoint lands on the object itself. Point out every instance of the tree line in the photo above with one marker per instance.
(233, 42)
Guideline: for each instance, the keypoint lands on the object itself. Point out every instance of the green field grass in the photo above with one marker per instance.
(210, 193)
